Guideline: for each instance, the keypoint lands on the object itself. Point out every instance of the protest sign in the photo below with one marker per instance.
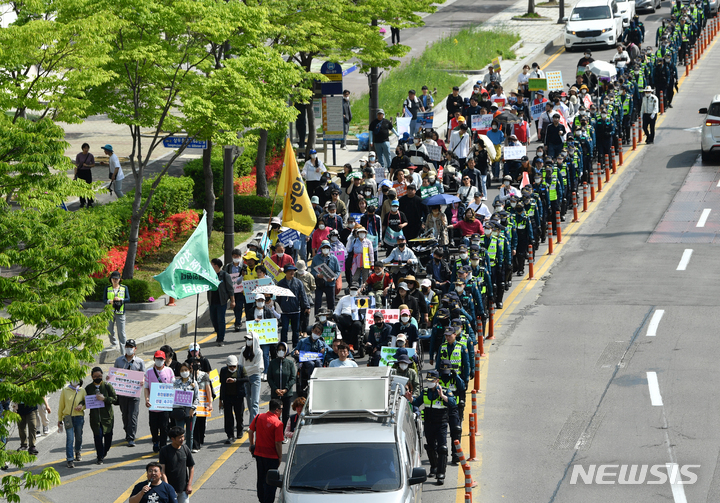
(237, 282)
(434, 152)
(273, 269)
(126, 382)
(400, 189)
(496, 65)
(356, 217)
(162, 396)
(203, 408)
(481, 122)
(426, 192)
(403, 125)
(389, 315)
(554, 81)
(340, 255)
(379, 173)
(364, 302)
(366, 257)
(328, 274)
(537, 110)
(372, 201)
(441, 172)
(250, 285)
(288, 237)
(425, 119)
(266, 330)
(183, 398)
(215, 380)
(91, 402)
(537, 84)
(328, 334)
(309, 356)
(387, 355)
(390, 237)
(510, 153)
(500, 102)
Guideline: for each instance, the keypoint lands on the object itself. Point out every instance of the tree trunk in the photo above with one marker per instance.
(260, 174)
(311, 132)
(129, 269)
(531, 6)
(209, 189)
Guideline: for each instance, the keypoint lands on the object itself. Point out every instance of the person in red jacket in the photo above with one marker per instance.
(280, 257)
(469, 225)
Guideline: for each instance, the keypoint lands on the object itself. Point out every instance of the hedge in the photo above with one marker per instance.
(173, 195)
(138, 289)
(243, 223)
(255, 206)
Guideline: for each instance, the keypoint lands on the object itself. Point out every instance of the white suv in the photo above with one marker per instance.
(710, 133)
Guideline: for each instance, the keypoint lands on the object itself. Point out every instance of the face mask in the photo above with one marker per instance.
(260, 304)
(431, 385)
(506, 183)
(372, 159)
(459, 289)
(236, 261)
(463, 256)
(334, 239)
(494, 128)
(404, 319)
(603, 116)
(322, 318)
(431, 180)
(495, 233)
(475, 262)
(488, 232)
(361, 235)
(321, 226)
(98, 380)
(315, 336)
(281, 353)
(326, 251)
(583, 91)
(280, 254)
(185, 374)
(394, 209)
(401, 344)
(403, 366)
(129, 351)
(159, 363)
(300, 273)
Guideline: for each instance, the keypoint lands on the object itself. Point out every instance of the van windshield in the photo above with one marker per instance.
(346, 467)
(590, 13)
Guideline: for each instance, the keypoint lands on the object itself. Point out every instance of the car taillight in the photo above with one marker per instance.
(712, 122)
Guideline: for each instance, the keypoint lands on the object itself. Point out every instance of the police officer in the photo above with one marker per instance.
(456, 352)
(436, 403)
(524, 232)
(450, 381)
(117, 295)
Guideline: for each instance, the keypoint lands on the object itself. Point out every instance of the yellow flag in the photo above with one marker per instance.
(298, 212)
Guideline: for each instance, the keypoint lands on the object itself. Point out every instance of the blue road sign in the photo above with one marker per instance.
(334, 72)
(177, 141)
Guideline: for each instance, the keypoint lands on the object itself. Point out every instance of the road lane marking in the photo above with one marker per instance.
(218, 463)
(655, 398)
(703, 217)
(677, 487)
(654, 322)
(685, 259)
(718, 184)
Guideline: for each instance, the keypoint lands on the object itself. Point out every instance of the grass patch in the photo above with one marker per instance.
(465, 50)
(157, 262)
(531, 15)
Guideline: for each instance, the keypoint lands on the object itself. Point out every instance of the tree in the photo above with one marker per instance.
(166, 81)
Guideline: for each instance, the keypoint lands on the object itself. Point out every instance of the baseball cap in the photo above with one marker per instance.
(404, 311)
(130, 343)
(194, 347)
(159, 354)
(232, 360)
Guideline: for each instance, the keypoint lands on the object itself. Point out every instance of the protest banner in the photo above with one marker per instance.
(183, 398)
(328, 334)
(266, 330)
(496, 65)
(403, 125)
(537, 110)
(379, 173)
(340, 255)
(288, 237)
(327, 273)
(126, 382)
(203, 408)
(389, 315)
(356, 217)
(250, 285)
(554, 81)
(500, 102)
(273, 269)
(537, 84)
(387, 355)
(215, 381)
(162, 396)
(425, 119)
(510, 153)
(400, 189)
(237, 282)
(91, 402)
(434, 152)
(309, 356)
(481, 123)
(372, 201)
(426, 192)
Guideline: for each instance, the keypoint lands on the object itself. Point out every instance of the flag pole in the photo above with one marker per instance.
(272, 208)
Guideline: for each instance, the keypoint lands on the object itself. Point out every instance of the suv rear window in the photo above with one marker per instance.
(344, 468)
(590, 13)
(714, 109)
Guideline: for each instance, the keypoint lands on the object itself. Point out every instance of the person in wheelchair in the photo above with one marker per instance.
(348, 319)
(329, 328)
(406, 328)
(403, 297)
(313, 344)
(334, 352)
(377, 284)
(380, 335)
(404, 367)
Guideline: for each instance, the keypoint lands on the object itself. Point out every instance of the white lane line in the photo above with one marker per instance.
(685, 259)
(655, 398)
(703, 217)
(677, 487)
(654, 322)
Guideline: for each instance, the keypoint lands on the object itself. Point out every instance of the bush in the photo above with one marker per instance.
(138, 289)
(255, 206)
(194, 171)
(173, 195)
(243, 223)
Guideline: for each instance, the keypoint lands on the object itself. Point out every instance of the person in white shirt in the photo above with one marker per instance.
(313, 171)
(522, 81)
(342, 360)
(479, 207)
(649, 110)
(621, 58)
(491, 77)
(460, 144)
(116, 172)
(499, 97)
(536, 73)
(507, 190)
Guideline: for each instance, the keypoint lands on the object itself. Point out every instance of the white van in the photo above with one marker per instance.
(593, 22)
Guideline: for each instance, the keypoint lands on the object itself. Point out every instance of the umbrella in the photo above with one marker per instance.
(602, 69)
(507, 117)
(277, 291)
(441, 199)
(488, 146)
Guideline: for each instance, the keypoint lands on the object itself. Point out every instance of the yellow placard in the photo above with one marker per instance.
(203, 409)
(215, 380)
(366, 257)
(273, 269)
(496, 65)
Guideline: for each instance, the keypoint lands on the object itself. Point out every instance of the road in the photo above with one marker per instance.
(572, 349)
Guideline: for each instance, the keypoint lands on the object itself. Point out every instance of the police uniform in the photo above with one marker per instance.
(450, 380)
(118, 300)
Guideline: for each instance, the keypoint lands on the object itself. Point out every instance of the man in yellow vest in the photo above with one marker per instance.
(117, 295)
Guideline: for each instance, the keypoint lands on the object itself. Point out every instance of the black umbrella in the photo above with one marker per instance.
(507, 117)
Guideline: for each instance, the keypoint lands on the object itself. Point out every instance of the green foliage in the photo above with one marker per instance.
(172, 195)
(138, 289)
(242, 223)
(194, 170)
(256, 206)
(466, 50)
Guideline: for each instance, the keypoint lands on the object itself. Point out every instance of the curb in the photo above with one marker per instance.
(533, 19)
(132, 306)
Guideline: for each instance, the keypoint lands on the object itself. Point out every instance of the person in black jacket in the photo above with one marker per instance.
(232, 397)
(378, 337)
(347, 117)
(415, 211)
(453, 103)
(196, 360)
(218, 300)
(438, 271)
(403, 297)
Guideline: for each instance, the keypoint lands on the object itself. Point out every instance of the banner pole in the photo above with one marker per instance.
(272, 211)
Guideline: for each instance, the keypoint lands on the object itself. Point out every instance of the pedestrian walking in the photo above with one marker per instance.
(27, 427)
(116, 172)
(281, 379)
(252, 362)
(394, 35)
(154, 487)
(218, 300)
(347, 118)
(130, 405)
(42, 417)
(649, 111)
(184, 415)
(158, 420)
(235, 270)
(233, 379)
(266, 436)
(117, 295)
(71, 416)
(312, 171)
(380, 129)
(178, 465)
(102, 419)
(84, 162)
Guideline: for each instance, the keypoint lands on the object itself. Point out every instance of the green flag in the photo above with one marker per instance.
(190, 271)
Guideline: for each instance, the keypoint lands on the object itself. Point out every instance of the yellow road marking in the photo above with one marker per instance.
(40, 497)
(218, 463)
(126, 495)
(518, 294)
